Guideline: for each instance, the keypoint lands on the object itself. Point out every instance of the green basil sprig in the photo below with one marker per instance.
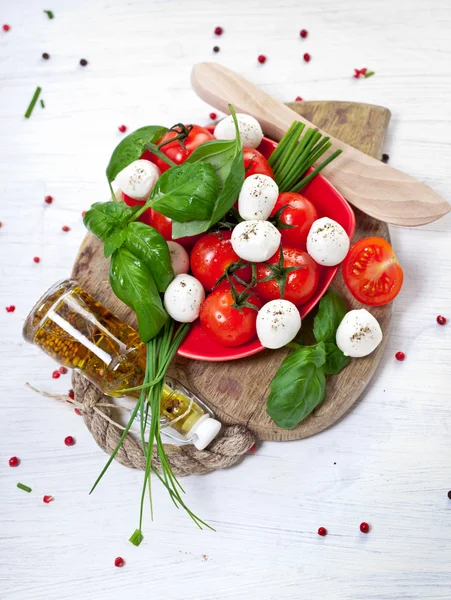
(299, 385)
(133, 283)
(140, 265)
(131, 148)
(226, 158)
(109, 221)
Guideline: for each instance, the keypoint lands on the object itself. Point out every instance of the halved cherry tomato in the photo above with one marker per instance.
(299, 214)
(227, 315)
(175, 151)
(372, 272)
(255, 163)
(291, 274)
(163, 224)
(210, 257)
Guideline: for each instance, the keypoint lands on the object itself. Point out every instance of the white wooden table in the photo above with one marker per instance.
(387, 462)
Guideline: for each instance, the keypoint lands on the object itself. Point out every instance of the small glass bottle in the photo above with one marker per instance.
(80, 333)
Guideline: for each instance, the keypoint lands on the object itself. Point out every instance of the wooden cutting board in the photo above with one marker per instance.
(237, 390)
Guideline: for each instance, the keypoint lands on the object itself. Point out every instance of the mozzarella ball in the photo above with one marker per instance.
(138, 179)
(327, 242)
(255, 241)
(257, 197)
(250, 131)
(278, 322)
(183, 297)
(179, 258)
(358, 334)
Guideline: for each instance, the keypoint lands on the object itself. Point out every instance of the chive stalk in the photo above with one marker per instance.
(296, 153)
(23, 487)
(33, 102)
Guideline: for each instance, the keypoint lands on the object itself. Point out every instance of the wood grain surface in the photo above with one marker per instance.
(237, 390)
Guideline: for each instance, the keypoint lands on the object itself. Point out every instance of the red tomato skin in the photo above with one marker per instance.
(163, 224)
(301, 213)
(255, 163)
(197, 136)
(146, 216)
(301, 284)
(372, 272)
(210, 257)
(225, 324)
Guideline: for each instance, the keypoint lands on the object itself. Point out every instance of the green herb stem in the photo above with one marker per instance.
(49, 13)
(282, 144)
(23, 487)
(33, 102)
(156, 150)
(298, 187)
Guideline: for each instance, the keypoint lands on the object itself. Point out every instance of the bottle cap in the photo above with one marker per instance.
(205, 430)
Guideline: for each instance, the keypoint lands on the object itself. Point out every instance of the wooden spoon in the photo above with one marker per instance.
(372, 186)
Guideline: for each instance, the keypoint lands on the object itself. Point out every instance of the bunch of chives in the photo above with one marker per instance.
(294, 156)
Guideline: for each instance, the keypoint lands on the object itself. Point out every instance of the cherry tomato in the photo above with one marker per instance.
(300, 214)
(164, 226)
(299, 285)
(146, 216)
(255, 163)
(197, 136)
(210, 257)
(221, 319)
(372, 272)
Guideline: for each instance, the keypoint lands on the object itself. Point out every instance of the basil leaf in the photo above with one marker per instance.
(332, 309)
(132, 282)
(131, 148)
(151, 248)
(189, 228)
(186, 192)
(104, 217)
(114, 241)
(298, 386)
(219, 154)
(226, 157)
(108, 221)
(231, 189)
(336, 361)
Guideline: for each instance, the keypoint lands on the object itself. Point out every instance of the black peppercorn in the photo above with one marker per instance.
(385, 158)
(216, 49)
(83, 62)
(46, 56)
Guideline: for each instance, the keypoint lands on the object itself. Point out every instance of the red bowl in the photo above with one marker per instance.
(329, 203)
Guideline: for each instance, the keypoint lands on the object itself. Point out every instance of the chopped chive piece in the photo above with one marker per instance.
(369, 74)
(49, 14)
(136, 538)
(33, 102)
(23, 487)
(42, 103)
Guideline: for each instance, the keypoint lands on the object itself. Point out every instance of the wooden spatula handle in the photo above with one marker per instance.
(375, 188)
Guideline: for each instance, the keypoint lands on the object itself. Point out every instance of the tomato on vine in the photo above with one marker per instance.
(229, 314)
(255, 163)
(290, 274)
(293, 215)
(189, 137)
(210, 257)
